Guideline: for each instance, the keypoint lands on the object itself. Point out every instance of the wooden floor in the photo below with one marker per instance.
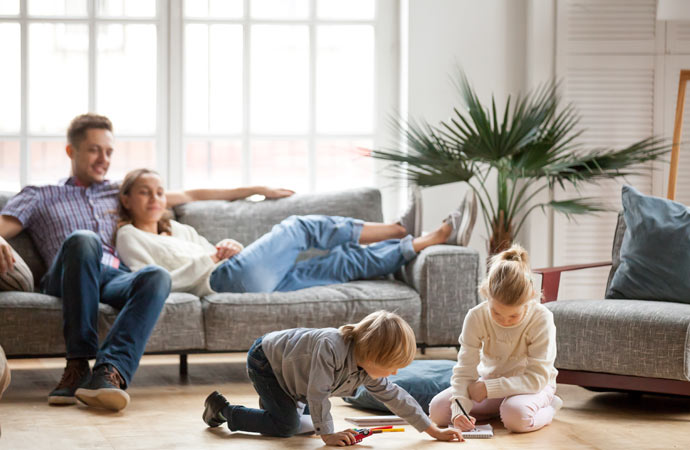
(166, 413)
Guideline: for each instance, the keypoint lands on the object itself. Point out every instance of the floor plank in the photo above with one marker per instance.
(166, 413)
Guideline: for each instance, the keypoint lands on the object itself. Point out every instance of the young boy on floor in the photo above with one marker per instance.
(305, 366)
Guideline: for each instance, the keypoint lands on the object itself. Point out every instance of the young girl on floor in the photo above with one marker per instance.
(506, 360)
(145, 236)
(306, 366)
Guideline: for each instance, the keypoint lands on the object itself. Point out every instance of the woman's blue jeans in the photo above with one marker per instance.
(268, 264)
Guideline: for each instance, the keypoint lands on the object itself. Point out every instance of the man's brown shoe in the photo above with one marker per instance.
(104, 389)
(77, 372)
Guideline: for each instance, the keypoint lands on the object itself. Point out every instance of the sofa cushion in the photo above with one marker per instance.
(180, 325)
(245, 221)
(616, 248)
(31, 324)
(234, 321)
(623, 337)
(655, 253)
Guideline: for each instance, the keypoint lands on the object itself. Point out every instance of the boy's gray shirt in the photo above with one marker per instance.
(313, 364)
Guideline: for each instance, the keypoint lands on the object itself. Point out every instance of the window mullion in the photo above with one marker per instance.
(91, 7)
(167, 149)
(174, 123)
(24, 156)
(246, 73)
(312, 97)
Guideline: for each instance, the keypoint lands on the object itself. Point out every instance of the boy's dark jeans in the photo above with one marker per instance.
(280, 416)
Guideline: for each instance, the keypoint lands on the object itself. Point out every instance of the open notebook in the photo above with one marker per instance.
(479, 432)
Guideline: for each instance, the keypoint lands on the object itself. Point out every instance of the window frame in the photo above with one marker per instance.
(386, 86)
(170, 140)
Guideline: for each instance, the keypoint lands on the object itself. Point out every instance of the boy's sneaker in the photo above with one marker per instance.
(104, 389)
(213, 409)
(411, 219)
(77, 372)
(462, 220)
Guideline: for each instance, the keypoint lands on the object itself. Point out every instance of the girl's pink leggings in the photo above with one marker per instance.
(519, 413)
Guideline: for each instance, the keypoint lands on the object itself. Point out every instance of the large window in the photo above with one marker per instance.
(210, 92)
(62, 58)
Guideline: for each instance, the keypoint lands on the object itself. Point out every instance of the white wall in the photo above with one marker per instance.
(487, 38)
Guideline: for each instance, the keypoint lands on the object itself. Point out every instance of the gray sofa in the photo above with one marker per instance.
(634, 345)
(433, 293)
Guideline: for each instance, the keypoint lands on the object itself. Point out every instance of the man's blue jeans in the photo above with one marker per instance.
(78, 276)
(280, 415)
(268, 264)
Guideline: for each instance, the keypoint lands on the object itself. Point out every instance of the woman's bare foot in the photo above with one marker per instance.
(439, 236)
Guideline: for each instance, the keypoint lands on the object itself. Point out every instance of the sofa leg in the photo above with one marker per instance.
(183, 365)
(422, 349)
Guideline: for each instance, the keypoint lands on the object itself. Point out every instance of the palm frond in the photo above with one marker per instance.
(605, 163)
(531, 145)
(427, 160)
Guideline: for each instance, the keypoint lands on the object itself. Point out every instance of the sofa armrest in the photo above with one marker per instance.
(551, 278)
(446, 278)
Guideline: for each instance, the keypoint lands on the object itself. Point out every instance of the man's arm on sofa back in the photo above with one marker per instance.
(446, 277)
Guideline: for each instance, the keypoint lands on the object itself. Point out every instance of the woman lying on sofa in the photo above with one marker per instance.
(358, 250)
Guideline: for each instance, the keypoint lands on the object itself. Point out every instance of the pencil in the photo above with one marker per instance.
(463, 410)
(388, 430)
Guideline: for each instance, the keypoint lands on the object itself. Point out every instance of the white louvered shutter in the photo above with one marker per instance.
(679, 37)
(606, 61)
(606, 26)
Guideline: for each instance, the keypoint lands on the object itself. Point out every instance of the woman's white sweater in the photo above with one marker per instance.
(185, 254)
(518, 359)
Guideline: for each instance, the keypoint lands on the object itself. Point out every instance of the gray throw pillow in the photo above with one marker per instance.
(655, 253)
(422, 379)
(18, 279)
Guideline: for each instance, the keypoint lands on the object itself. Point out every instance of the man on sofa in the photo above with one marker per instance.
(72, 224)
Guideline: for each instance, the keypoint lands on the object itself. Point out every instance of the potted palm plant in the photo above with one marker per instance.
(531, 147)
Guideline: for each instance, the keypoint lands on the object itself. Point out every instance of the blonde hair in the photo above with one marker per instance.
(509, 281)
(124, 217)
(382, 338)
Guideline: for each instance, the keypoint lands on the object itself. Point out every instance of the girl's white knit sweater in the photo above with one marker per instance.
(518, 359)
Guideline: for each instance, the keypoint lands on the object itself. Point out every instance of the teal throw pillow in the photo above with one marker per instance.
(422, 379)
(655, 253)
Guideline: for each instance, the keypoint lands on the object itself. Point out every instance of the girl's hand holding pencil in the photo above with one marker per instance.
(463, 423)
